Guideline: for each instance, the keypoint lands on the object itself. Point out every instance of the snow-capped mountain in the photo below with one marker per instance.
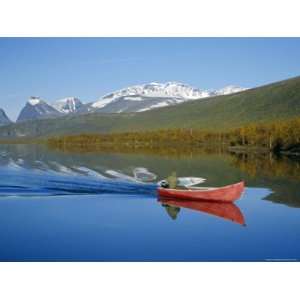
(136, 98)
(153, 95)
(68, 105)
(36, 108)
(4, 120)
(155, 90)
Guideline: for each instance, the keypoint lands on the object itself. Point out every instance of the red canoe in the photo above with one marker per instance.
(227, 211)
(228, 193)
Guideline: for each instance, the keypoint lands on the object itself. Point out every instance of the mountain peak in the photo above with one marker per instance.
(34, 100)
(36, 108)
(154, 83)
(67, 105)
(4, 120)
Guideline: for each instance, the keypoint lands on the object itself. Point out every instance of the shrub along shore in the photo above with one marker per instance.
(278, 137)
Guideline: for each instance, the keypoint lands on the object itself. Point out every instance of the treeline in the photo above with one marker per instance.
(277, 136)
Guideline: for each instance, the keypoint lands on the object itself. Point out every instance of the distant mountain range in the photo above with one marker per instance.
(132, 99)
(277, 101)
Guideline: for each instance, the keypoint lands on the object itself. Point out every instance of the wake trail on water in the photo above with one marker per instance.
(22, 182)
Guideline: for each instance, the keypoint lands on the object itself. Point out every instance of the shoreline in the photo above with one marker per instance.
(79, 147)
(144, 147)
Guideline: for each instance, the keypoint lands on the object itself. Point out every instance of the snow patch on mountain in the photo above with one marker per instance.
(161, 104)
(34, 101)
(230, 89)
(103, 102)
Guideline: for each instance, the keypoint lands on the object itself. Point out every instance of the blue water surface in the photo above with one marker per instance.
(46, 215)
(111, 227)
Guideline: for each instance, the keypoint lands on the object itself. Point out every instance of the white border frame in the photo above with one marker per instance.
(149, 280)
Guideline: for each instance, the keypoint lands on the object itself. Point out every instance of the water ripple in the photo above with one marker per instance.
(22, 182)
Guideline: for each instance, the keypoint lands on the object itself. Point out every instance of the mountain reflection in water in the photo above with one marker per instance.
(22, 182)
(117, 172)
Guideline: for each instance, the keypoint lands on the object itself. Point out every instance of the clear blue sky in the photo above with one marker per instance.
(88, 68)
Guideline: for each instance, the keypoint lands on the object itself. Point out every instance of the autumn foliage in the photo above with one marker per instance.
(276, 136)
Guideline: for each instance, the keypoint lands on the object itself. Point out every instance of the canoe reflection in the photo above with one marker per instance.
(228, 211)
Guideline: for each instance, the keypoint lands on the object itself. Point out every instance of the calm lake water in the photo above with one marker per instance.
(57, 206)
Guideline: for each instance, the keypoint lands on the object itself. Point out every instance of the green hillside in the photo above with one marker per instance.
(276, 101)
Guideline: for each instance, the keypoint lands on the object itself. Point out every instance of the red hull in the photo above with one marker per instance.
(228, 193)
(228, 211)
